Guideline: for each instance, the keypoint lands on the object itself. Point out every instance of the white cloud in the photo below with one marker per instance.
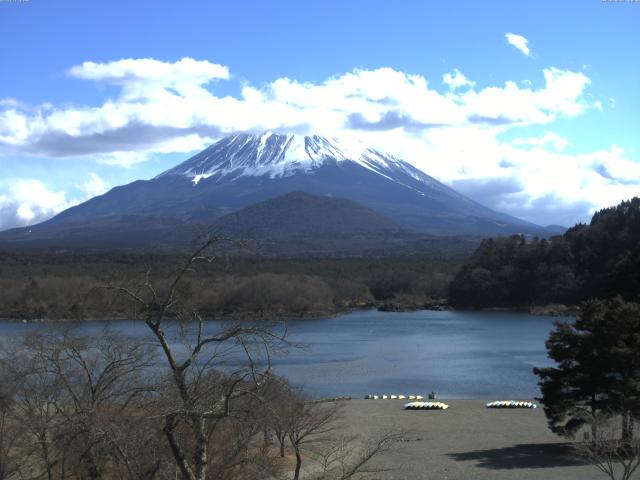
(11, 103)
(143, 77)
(456, 80)
(519, 42)
(554, 186)
(165, 107)
(30, 201)
(552, 139)
(562, 96)
(95, 186)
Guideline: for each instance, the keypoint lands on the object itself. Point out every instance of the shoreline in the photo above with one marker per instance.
(248, 316)
(537, 310)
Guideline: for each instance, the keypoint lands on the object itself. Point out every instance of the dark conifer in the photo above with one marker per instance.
(598, 368)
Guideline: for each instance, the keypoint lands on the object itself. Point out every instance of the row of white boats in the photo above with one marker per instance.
(511, 404)
(393, 397)
(425, 406)
(418, 405)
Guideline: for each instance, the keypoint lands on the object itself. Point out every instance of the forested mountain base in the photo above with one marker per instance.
(68, 286)
(599, 260)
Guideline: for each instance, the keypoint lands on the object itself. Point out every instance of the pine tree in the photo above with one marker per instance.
(598, 368)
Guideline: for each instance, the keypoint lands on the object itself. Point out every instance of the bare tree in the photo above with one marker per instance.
(281, 405)
(10, 438)
(344, 458)
(101, 380)
(79, 401)
(35, 394)
(197, 399)
(310, 423)
(610, 452)
(315, 428)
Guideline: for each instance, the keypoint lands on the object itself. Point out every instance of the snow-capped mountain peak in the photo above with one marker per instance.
(281, 155)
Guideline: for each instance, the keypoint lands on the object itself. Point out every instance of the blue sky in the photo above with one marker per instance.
(96, 94)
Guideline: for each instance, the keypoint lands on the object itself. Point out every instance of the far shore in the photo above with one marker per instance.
(540, 310)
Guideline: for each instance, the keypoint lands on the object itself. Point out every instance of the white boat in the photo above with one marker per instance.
(511, 404)
(426, 406)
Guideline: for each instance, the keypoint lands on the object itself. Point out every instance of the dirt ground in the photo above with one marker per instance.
(467, 441)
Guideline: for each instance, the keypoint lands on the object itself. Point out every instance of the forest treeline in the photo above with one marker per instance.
(598, 260)
(70, 286)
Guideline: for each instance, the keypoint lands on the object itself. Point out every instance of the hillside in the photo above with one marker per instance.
(601, 259)
(300, 214)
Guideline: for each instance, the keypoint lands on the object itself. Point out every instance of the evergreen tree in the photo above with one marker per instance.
(598, 368)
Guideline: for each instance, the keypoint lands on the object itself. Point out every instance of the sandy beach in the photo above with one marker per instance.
(467, 441)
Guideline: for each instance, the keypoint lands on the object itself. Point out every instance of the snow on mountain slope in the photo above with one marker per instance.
(274, 163)
(279, 155)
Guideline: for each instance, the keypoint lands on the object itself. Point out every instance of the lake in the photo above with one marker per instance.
(456, 354)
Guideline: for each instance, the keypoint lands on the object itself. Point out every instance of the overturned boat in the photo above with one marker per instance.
(426, 406)
(393, 397)
(511, 404)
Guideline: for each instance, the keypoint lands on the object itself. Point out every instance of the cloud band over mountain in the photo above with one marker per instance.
(464, 135)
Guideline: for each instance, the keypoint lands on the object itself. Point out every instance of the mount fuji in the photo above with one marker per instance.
(241, 174)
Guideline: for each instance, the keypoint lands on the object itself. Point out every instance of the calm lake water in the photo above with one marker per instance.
(455, 354)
